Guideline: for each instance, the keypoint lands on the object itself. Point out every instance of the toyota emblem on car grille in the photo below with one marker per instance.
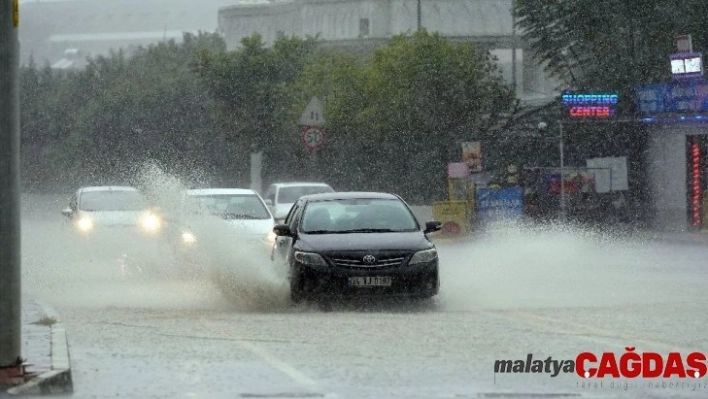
(369, 259)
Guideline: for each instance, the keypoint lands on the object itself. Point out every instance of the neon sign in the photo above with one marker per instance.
(590, 106)
(695, 183)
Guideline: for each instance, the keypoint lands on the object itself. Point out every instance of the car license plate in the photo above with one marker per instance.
(369, 282)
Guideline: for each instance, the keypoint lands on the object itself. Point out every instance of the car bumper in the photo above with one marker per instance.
(421, 280)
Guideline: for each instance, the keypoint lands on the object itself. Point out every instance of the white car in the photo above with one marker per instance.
(280, 197)
(102, 209)
(242, 211)
(117, 223)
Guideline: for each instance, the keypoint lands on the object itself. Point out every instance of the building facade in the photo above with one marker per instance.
(677, 156)
(65, 32)
(363, 25)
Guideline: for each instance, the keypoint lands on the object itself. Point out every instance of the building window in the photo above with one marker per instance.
(364, 27)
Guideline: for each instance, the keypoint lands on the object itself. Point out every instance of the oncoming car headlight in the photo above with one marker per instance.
(84, 224)
(310, 258)
(150, 222)
(188, 238)
(424, 256)
(270, 238)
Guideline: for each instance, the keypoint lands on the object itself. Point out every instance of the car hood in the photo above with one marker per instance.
(247, 227)
(252, 227)
(114, 218)
(409, 241)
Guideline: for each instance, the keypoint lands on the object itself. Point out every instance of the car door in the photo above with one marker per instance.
(283, 245)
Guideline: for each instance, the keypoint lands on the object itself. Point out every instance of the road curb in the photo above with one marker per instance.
(58, 380)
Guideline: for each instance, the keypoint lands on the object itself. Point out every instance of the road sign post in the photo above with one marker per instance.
(10, 283)
(313, 134)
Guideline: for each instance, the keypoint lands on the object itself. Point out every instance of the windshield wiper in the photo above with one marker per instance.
(320, 232)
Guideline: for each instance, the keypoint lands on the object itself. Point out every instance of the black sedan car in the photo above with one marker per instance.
(350, 244)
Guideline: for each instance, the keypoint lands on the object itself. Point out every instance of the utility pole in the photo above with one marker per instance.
(420, 16)
(10, 283)
(513, 46)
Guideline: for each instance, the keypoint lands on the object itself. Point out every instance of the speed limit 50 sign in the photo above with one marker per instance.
(313, 137)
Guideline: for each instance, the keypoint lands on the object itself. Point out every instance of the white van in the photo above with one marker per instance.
(280, 197)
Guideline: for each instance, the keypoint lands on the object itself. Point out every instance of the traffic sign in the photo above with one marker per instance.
(313, 114)
(313, 137)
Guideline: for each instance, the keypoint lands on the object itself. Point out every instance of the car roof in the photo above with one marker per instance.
(301, 184)
(220, 191)
(107, 188)
(349, 195)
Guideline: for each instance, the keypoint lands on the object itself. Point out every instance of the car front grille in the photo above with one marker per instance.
(358, 262)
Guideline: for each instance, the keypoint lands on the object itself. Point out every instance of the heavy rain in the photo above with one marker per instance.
(509, 199)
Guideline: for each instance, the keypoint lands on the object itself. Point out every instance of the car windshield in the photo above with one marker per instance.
(106, 201)
(289, 195)
(234, 206)
(358, 216)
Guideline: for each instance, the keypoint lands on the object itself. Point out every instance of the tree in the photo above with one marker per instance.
(614, 46)
(400, 110)
(96, 124)
(249, 85)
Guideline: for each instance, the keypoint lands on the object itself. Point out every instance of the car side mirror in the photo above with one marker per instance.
(432, 226)
(269, 202)
(68, 212)
(282, 230)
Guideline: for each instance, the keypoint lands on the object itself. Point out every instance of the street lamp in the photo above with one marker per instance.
(420, 16)
(541, 127)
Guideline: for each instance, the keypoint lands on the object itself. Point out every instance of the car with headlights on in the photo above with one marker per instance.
(115, 220)
(353, 244)
(103, 209)
(209, 214)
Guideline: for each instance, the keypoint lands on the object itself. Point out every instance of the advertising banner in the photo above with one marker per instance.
(457, 170)
(575, 182)
(499, 205)
(472, 155)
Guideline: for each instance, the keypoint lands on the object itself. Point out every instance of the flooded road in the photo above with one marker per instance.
(515, 292)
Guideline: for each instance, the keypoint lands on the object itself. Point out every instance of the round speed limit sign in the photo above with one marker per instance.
(313, 137)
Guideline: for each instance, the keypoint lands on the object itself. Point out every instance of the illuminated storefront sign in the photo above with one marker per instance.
(590, 106)
(686, 65)
(680, 101)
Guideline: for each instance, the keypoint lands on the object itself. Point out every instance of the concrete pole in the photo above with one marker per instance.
(10, 283)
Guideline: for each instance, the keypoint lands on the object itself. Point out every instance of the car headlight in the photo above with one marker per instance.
(309, 258)
(424, 256)
(270, 238)
(189, 238)
(150, 223)
(85, 224)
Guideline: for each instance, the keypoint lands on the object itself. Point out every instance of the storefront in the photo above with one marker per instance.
(677, 114)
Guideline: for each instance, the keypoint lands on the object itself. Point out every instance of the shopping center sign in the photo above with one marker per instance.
(589, 105)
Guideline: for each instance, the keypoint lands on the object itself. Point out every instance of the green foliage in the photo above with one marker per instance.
(249, 85)
(403, 108)
(614, 44)
(392, 118)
